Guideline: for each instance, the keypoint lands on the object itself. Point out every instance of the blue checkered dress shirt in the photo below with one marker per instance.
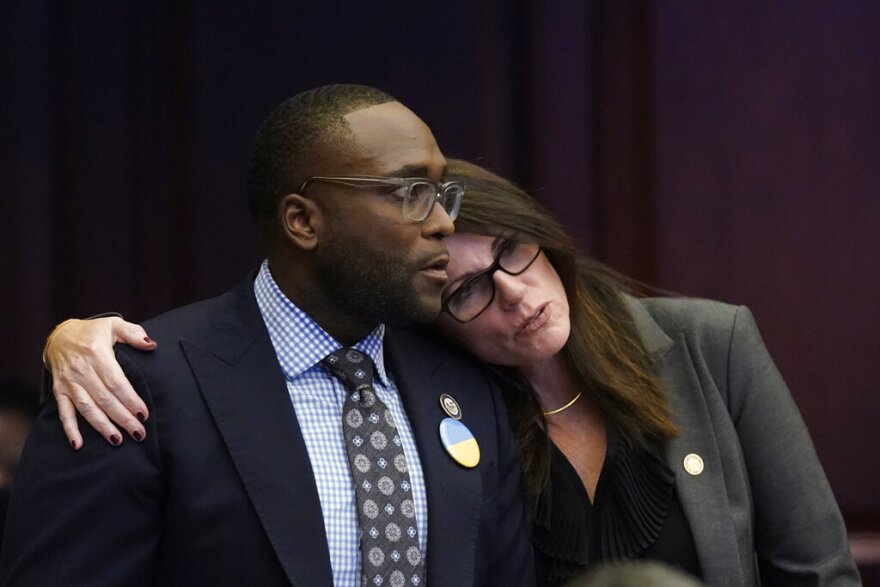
(317, 397)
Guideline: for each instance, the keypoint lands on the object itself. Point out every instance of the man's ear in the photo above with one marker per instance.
(300, 218)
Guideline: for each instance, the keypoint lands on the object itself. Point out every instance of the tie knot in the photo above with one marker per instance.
(352, 367)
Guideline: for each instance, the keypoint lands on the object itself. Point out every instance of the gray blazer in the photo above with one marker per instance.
(757, 501)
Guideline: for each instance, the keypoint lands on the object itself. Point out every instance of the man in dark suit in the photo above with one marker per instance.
(242, 477)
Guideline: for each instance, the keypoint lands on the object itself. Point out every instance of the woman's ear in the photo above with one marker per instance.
(300, 219)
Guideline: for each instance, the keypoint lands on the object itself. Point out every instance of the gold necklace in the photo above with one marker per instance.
(566, 406)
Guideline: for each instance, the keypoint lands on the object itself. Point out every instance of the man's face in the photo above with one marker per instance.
(372, 263)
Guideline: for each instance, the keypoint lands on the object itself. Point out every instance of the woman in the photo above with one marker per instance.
(649, 428)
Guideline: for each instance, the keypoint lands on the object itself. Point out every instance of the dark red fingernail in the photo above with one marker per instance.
(141, 416)
(115, 440)
(148, 340)
(137, 435)
(73, 444)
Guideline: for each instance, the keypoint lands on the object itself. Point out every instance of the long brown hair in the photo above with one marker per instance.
(604, 351)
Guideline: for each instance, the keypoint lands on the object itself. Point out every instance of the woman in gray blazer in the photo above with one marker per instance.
(654, 428)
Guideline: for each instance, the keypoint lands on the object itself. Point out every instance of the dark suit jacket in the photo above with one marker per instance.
(221, 492)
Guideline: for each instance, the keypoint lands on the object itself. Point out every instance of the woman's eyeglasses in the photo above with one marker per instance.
(472, 297)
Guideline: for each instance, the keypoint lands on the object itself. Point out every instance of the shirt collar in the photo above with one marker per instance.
(300, 343)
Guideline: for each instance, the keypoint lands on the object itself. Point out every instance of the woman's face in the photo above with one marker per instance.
(528, 319)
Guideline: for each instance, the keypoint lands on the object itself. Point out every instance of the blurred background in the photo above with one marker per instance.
(728, 150)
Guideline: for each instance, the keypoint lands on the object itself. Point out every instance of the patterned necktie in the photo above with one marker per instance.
(389, 537)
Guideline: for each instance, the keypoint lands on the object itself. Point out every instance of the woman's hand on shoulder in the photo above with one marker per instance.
(88, 379)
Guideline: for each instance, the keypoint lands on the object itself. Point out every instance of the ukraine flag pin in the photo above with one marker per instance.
(459, 443)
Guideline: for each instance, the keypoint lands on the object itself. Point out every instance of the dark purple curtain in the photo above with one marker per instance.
(727, 150)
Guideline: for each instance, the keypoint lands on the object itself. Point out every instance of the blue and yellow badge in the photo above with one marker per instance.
(459, 443)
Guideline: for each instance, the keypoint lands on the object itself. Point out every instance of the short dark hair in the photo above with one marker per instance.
(291, 136)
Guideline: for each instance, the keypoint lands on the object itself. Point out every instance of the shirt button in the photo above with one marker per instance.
(693, 464)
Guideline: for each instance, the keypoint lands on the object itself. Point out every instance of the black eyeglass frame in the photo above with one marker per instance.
(441, 190)
(489, 271)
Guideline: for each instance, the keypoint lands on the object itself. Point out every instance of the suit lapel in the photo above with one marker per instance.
(241, 381)
(703, 496)
(454, 493)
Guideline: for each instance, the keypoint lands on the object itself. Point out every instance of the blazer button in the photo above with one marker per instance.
(693, 464)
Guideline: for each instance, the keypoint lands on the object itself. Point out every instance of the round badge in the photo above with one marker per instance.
(450, 406)
(459, 443)
(693, 464)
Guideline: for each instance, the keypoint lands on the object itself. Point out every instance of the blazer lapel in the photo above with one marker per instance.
(241, 381)
(703, 496)
(454, 493)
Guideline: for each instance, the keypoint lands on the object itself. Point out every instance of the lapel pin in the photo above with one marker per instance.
(693, 464)
(459, 443)
(450, 406)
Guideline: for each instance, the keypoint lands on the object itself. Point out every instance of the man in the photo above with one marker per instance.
(233, 485)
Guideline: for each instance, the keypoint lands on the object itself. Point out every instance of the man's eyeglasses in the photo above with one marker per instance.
(472, 297)
(417, 195)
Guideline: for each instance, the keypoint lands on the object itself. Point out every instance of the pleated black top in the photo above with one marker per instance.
(635, 514)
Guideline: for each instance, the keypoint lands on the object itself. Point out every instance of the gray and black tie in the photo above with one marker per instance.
(389, 537)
